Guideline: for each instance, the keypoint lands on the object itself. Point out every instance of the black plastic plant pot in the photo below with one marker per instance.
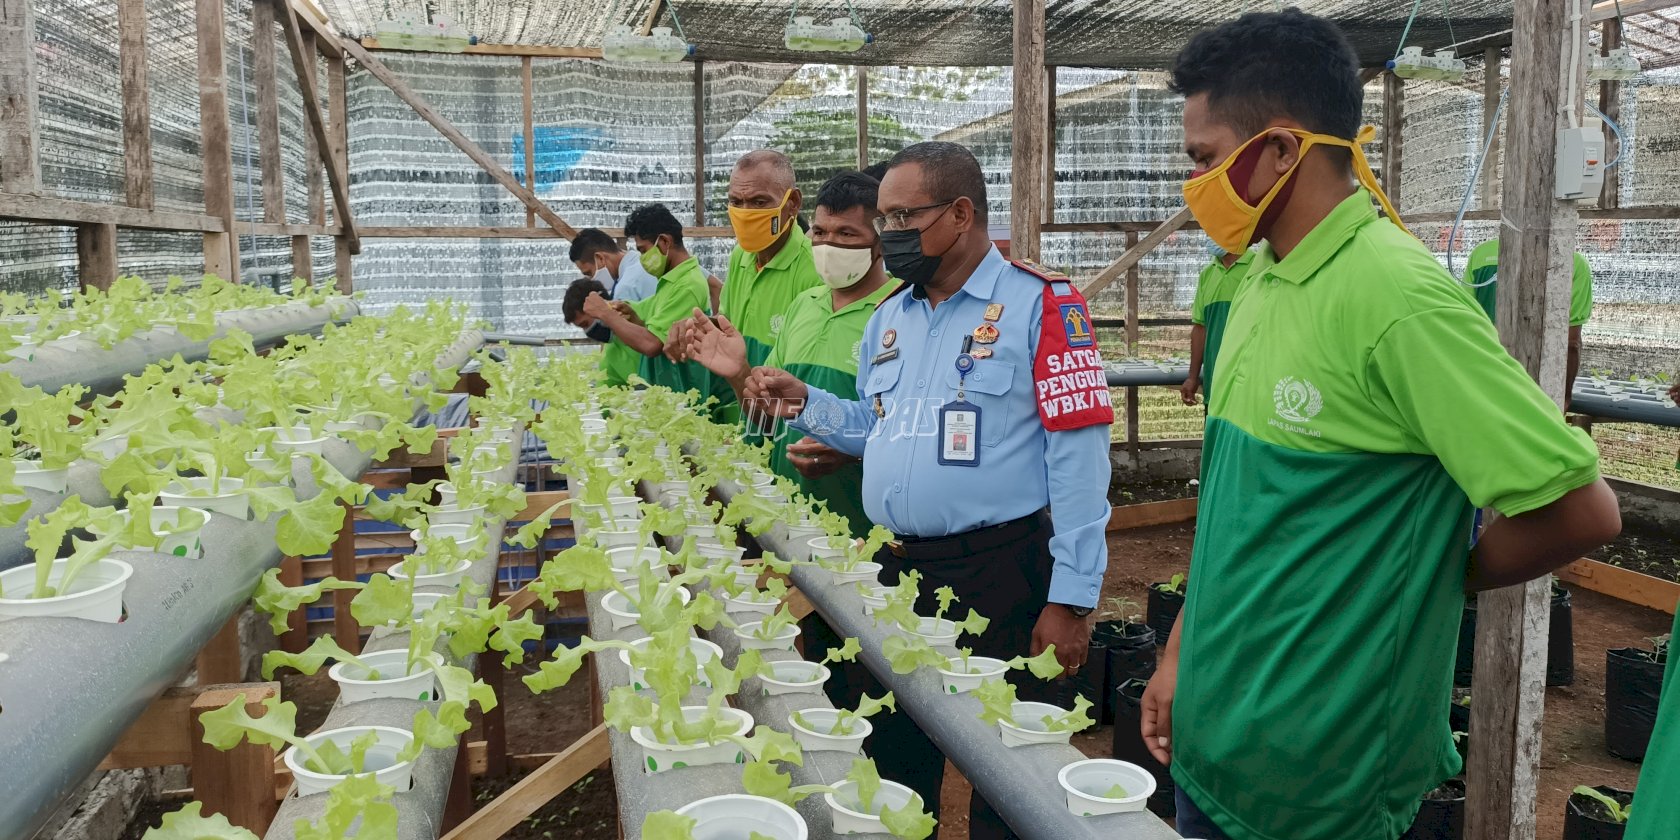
(1091, 681)
(1632, 686)
(1560, 646)
(1128, 745)
(1131, 654)
(1586, 819)
(1458, 714)
(1441, 814)
(1466, 662)
(1162, 610)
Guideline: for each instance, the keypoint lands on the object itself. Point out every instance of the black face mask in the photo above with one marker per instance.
(902, 252)
(599, 332)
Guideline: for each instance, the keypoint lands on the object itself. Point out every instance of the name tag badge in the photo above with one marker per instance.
(884, 357)
(959, 434)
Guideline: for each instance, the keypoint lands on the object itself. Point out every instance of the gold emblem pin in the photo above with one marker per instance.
(879, 411)
(981, 352)
(888, 337)
(994, 311)
(985, 334)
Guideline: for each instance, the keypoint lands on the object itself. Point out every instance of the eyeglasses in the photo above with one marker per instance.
(900, 219)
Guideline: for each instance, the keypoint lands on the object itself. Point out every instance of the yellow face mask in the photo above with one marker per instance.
(1222, 210)
(756, 230)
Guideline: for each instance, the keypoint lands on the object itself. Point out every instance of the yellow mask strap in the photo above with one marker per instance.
(1362, 168)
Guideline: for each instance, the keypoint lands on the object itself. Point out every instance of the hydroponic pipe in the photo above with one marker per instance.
(1629, 403)
(1143, 373)
(70, 688)
(78, 361)
(1020, 782)
(519, 340)
(420, 808)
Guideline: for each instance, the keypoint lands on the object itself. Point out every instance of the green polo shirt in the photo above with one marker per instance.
(822, 347)
(1363, 404)
(1214, 291)
(1484, 266)
(1656, 810)
(756, 300)
(619, 361)
(680, 291)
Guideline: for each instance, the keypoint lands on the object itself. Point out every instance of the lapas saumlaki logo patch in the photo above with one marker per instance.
(1077, 324)
(1297, 400)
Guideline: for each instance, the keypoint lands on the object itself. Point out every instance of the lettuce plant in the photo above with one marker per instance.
(997, 705)
(845, 721)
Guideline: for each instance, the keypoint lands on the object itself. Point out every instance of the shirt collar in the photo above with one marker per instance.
(871, 300)
(981, 284)
(797, 241)
(1324, 240)
(691, 264)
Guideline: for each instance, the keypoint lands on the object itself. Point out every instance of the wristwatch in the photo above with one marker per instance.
(1078, 612)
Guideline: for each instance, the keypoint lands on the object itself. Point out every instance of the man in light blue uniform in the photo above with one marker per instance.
(982, 417)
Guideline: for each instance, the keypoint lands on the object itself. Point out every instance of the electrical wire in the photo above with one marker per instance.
(1404, 33)
(1470, 189)
(670, 4)
(1575, 50)
(1615, 129)
(1446, 12)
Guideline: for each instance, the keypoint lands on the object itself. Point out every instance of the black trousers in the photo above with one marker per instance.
(1007, 583)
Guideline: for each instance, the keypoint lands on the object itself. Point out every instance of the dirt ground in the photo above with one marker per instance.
(1644, 547)
(1158, 490)
(1573, 750)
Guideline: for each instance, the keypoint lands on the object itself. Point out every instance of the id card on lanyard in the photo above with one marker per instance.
(959, 422)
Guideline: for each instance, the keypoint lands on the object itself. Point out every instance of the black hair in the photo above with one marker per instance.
(876, 170)
(592, 241)
(649, 221)
(949, 172)
(848, 190)
(572, 303)
(1266, 65)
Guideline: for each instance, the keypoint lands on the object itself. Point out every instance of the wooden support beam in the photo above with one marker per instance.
(492, 49)
(20, 161)
(1148, 514)
(493, 724)
(238, 783)
(1394, 121)
(346, 632)
(1493, 61)
(535, 790)
(654, 10)
(302, 259)
(325, 40)
(220, 660)
(461, 141)
(699, 143)
(1134, 279)
(455, 232)
(32, 208)
(314, 158)
(863, 160)
(1049, 146)
(1610, 103)
(530, 135)
(338, 143)
(337, 176)
(799, 604)
(1026, 181)
(137, 104)
(1537, 246)
(161, 736)
(264, 74)
(96, 255)
(221, 250)
(296, 637)
(1136, 253)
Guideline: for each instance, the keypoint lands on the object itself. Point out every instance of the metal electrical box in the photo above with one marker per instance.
(1580, 163)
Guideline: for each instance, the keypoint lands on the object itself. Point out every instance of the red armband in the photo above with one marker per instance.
(1068, 376)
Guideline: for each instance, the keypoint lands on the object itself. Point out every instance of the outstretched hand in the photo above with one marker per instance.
(774, 392)
(718, 347)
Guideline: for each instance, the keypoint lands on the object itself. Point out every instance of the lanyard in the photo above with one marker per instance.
(965, 364)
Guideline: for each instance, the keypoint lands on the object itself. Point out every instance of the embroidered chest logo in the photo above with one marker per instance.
(775, 324)
(857, 351)
(1296, 399)
(1077, 324)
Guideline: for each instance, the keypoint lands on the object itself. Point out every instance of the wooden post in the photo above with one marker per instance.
(1394, 121)
(862, 117)
(20, 165)
(1492, 62)
(137, 108)
(268, 113)
(239, 783)
(296, 637)
(446, 128)
(1537, 244)
(1026, 181)
(1133, 294)
(699, 143)
(219, 661)
(530, 137)
(1050, 145)
(338, 142)
(337, 176)
(96, 255)
(346, 632)
(313, 156)
(535, 790)
(221, 250)
(458, 802)
(494, 722)
(1610, 103)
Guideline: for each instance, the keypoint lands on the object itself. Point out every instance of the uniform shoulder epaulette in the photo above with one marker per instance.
(902, 287)
(1048, 275)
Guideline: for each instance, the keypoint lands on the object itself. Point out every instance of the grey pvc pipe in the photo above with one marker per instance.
(1630, 405)
(420, 808)
(78, 361)
(520, 340)
(1020, 782)
(1144, 374)
(70, 688)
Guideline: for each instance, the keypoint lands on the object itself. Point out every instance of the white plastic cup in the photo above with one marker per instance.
(782, 641)
(866, 571)
(298, 440)
(96, 593)
(937, 632)
(1026, 726)
(31, 474)
(794, 676)
(381, 759)
(188, 543)
(703, 651)
(846, 812)
(445, 580)
(624, 614)
(1087, 781)
(194, 492)
(735, 815)
(818, 738)
(354, 685)
(959, 680)
(627, 563)
(657, 756)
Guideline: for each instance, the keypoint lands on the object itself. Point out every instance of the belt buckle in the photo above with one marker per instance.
(897, 548)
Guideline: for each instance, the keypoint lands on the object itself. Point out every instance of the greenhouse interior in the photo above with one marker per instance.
(470, 419)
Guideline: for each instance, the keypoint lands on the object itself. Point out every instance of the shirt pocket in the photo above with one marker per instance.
(987, 387)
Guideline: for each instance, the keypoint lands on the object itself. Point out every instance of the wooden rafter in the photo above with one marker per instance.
(461, 141)
(1136, 253)
(535, 790)
(337, 178)
(654, 10)
(137, 109)
(531, 50)
(20, 165)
